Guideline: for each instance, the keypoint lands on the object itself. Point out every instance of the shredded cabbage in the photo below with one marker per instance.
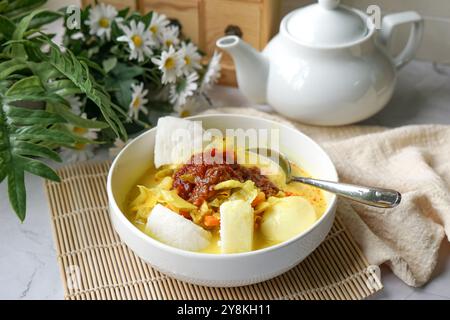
(247, 192)
(229, 184)
(164, 172)
(171, 197)
(144, 202)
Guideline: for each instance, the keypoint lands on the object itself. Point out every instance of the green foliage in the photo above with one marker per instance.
(52, 98)
(34, 85)
(78, 73)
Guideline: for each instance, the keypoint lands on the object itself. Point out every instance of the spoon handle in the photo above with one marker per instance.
(377, 197)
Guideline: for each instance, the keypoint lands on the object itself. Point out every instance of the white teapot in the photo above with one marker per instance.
(327, 66)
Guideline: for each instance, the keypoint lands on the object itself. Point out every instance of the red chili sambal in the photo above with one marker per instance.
(195, 180)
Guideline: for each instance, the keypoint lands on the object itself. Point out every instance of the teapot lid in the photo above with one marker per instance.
(326, 23)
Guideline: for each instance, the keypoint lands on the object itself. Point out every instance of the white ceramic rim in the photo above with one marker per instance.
(364, 17)
(218, 256)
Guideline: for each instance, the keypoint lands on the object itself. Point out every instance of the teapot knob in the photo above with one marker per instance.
(329, 4)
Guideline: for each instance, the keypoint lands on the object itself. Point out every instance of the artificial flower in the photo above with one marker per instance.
(170, 65)
(191, 57)
(191, 107)
(83, 152)
(183, 89)
(75, 103)
(212, 73)
(169, 37)
(138, 101)
(157, 24)
(139, 40)
(100, 20)
(119, 144)
(80, 151)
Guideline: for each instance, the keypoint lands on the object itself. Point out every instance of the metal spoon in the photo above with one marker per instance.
(377, 197)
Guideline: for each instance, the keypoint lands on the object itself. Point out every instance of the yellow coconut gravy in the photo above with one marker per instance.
(267, 230)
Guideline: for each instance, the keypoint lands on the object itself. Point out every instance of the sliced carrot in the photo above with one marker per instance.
(186, 214)
(259, 198)
(211, 221)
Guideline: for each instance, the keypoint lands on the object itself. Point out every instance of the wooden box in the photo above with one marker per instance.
(205, 21)
(119, 4)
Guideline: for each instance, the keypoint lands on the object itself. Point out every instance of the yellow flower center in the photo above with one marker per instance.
(103, 22)
(187, 60)
(169, 64)
(168, 43)
(80, 146)
(136, 103)
(80, 131)
(153, 29)
(185, 113)
(137, 40)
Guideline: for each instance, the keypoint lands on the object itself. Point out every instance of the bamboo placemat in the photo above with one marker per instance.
(95, 264)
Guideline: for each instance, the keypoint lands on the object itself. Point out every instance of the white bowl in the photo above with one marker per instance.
(221, 270)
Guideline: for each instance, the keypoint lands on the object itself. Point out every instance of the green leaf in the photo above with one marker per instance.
(63, 87)
(25, 116)
(60, 137)
(3, 165)
(17, 48)
(78, 121)
(123, 71)
(44, 70)
(10, 66)
(43, 18)
(37, 167)
(26, 86)
(147, 19)
(7, 27)
(123, 93)
(92, 65)
(78, 73)
(124, 12)
(109, 64)
(36, 96)
(16, 192)
(19, 8)
(25, 148)
(3, 5)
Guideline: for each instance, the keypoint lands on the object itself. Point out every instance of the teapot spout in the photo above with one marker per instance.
(252, 67)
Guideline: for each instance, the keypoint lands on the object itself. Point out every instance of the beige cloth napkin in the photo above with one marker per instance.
(413, 160)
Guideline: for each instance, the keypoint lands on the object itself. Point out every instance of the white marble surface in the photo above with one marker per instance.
(28, 266)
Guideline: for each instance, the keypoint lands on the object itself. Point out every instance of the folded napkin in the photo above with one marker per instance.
(413, 160)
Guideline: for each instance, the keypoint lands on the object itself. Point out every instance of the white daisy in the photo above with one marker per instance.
(119, 144)
(139, 40)
(138, 101)
(170, 65)
(158, 23)
(169, 37)
(212, 73)
(75, 103)
(88, 133)
(191, 107)
(100, 20)
(80, 151)
(191, 57)
(183, 89)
